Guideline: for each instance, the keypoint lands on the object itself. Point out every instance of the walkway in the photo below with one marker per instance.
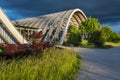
(99, 64)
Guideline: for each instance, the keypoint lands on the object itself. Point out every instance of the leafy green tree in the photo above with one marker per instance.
(106, 32)
(97, 39)
(114, 37)
(109, 35)
(90, 25)
(92, 28)
(74, 36)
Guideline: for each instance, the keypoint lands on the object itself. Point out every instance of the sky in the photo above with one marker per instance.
(107, 11)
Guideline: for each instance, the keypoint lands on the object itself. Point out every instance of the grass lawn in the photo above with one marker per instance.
(51, 64)
(112, 44)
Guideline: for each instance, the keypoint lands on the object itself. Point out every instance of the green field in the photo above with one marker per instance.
(112, 44)
(51, 64)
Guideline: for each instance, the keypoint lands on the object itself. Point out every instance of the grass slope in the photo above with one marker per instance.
(112, 44)
(51, 64)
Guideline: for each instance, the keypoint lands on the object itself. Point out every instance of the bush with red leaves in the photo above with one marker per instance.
(10, 49)
(18, 49)
(39, 46)
(21, 48)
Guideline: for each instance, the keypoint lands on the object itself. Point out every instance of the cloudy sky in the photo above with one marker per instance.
(107, 11)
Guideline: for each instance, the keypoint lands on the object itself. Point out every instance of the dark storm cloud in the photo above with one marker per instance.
(105, 10)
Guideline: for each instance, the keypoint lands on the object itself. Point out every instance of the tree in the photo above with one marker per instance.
(109, 35)
(90, 25)
(97, 38)
(106, 32)
(92, 28)
(114, 37)
(74, 36)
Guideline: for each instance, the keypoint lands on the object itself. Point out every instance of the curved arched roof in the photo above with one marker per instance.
(54, 26)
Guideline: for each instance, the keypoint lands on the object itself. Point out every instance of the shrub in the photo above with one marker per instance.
(74, 36)
(97, 39)
(23, 49)
(84, 43)
(106, 32)
(114, 37)
(1, 51)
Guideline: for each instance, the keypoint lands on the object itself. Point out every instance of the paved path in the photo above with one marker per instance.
(99, 64)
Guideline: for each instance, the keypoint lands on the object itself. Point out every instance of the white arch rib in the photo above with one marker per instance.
(68, 21)
(11, 29)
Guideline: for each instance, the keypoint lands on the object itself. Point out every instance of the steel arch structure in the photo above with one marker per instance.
(54, 26)
(8, 32)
